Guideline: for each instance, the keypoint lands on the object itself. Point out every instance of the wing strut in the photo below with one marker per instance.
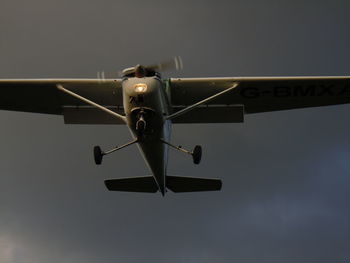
(61, 88)
(189, 108)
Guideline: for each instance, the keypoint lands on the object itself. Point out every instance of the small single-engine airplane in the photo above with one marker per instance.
(149, 105)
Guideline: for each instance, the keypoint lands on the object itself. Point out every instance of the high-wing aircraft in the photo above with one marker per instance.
(149, 105)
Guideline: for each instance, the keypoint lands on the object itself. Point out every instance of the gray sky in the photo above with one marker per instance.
(286, 174)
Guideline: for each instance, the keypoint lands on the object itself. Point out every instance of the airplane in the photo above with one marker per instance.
(149, 105)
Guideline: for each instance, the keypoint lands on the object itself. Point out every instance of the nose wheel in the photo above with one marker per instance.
(141, 127)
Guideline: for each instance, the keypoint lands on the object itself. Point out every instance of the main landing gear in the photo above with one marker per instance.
(98, 153)
(140, 131)
(196, 153)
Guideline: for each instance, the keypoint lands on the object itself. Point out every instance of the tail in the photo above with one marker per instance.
(145, 184)
(179, 184)
(176, 184)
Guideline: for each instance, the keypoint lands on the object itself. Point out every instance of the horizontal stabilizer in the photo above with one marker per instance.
(144, 184)
(179, 184)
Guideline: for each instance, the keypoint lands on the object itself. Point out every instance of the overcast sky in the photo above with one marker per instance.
(286, 175)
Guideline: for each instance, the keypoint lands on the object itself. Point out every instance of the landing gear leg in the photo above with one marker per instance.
(98, 153)
(196, 153)
(141, 124)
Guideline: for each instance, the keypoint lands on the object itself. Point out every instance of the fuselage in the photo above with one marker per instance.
(146, 107)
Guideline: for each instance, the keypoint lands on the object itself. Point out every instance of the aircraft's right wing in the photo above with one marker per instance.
(42, 96)
(254, 95)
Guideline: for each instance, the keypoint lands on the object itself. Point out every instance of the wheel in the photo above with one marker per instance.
(197, 154)
(140, 127)
(98, 155)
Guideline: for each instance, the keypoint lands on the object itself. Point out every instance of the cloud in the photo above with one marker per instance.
(7, 249)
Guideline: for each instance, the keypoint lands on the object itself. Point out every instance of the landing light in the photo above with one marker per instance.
(140, 88)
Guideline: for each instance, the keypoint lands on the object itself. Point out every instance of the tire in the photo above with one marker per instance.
(197, 154)
(98, 155)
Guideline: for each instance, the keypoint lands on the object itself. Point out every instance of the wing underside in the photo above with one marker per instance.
(42, 96)
(260, 94)
(211, 114)
(252, 95)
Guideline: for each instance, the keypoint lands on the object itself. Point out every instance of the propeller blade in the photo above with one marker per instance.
(175, 63)
(101, 76)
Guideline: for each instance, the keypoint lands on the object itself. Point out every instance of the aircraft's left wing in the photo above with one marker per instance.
(254, 95)
(42, 96)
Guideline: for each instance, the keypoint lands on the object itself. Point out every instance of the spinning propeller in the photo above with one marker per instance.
(150, 70)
